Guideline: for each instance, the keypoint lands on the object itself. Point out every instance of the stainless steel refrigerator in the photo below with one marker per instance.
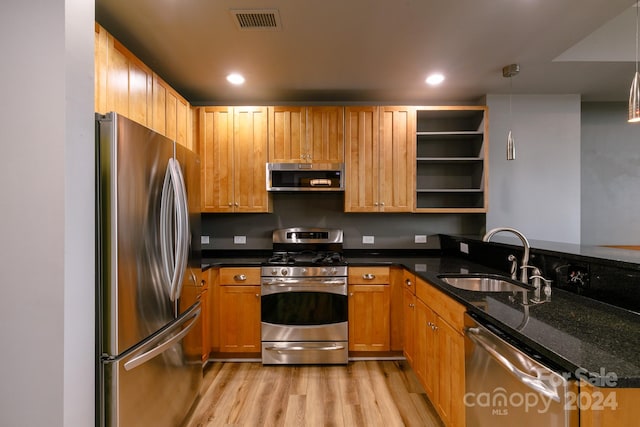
(149, 336)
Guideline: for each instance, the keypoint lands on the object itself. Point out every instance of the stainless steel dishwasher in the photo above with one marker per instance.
(507, 387)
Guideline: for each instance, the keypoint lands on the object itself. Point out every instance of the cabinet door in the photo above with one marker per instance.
(451, 387)
(325, 134)
(287, 134)
(240, 319)
(249, 160)
(397, 159)
(215, 146)
(409, 316)
(369, 318)
(206, 324)
(361, 159)
(426, 367)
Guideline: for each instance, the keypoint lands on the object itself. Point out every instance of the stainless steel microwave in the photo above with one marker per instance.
(305, 176)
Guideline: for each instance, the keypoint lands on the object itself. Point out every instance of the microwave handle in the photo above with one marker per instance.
(320, 182)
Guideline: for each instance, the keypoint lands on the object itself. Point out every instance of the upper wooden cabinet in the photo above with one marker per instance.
(306, 134)
(379, 159)
(232, 143)
(124, 84)
(452, 151)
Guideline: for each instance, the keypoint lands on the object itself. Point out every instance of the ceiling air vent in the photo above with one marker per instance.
(257, 19)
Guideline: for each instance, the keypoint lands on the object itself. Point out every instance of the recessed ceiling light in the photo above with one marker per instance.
(435, 79)
(235, 79)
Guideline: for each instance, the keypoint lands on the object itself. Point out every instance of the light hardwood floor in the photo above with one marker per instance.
(362, 393)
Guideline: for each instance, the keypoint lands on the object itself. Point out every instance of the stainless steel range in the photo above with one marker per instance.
(304, 298)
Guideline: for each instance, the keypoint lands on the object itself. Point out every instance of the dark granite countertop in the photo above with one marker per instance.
(578, 335)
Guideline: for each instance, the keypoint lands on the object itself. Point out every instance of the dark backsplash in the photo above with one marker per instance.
(391, 230)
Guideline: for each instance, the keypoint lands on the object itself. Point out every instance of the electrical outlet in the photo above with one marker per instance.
(464, 248)
(420, 238)
(204, 240)
(239, 240)
(420, 267)
(368, 240)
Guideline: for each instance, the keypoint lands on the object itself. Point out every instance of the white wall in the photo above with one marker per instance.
(539, 192)
(46, 254)
(610, 175)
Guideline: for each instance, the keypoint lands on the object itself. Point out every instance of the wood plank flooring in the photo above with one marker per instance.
(362, 393)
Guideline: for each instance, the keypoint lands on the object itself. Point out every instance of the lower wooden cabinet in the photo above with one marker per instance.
(369, 309)
(603, 407)
(438, 358)
(239, 310)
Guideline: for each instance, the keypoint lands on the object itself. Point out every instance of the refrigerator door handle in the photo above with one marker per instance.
(174, 223)
(160, 348)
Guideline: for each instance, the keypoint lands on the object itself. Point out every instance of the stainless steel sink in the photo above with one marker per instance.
(482, 283)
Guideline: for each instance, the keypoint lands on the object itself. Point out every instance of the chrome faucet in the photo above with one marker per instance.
(525, 257)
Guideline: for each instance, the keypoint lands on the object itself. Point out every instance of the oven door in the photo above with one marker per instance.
(304, 309)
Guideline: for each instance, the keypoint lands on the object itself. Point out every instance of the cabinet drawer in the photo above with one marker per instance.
(239, 276)
(368, 275)
(449, 310)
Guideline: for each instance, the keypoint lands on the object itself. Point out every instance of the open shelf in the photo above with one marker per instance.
(451, 149)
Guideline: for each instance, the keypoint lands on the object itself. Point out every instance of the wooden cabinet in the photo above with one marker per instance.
(124, 84)
(603, 407)
(379, 159)
(206, 314)
(439, 351)
(171, 113)
(306, 134)
(369, 309)
(239, 310)
(232, 143)
(408, 315)
(451, 152)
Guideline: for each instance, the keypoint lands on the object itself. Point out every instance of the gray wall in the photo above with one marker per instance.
(610, 175)
(539, 192)
(47, 252)
(394, 231)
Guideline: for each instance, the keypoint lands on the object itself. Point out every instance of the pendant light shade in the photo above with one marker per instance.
(511, 147)
(634, 99)
(510, 71)
(634, 93)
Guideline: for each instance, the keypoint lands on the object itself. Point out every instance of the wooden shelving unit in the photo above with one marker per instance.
(451, 159)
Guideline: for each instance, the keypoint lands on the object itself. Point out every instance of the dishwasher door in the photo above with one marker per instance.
(506, 387)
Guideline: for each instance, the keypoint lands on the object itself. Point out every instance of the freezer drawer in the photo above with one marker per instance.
(156, 383)
(507, 387)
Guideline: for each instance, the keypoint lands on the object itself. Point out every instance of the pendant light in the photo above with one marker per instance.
(510, 71)
(634, 93)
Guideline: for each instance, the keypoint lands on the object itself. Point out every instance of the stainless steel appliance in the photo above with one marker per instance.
(305, 176)
(304, 299)
(149, 339)
(506, 386)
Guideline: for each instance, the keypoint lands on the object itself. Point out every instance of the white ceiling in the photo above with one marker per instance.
(380, 51)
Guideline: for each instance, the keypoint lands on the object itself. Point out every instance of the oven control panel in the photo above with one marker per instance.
(308, 271)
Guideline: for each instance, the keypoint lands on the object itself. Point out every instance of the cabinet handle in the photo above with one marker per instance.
(236, 203)
(240, 277)
(350, 294)
(382, 204)
(202, 283)
(257, 295)
(368, 276)
(230, 204)
(412, 305)
(375, 204)
(407, 282)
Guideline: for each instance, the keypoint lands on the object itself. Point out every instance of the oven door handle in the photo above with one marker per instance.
(301, 348)
(283, 283)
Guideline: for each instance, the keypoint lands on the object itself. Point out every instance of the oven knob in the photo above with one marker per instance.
(324, 272)
(303, 271)
(334, 271)
(284, 271)
(274, 272)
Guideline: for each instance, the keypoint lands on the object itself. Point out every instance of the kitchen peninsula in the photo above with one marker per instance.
(592, 341)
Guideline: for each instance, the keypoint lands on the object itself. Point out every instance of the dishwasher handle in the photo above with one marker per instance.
(533, 382)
